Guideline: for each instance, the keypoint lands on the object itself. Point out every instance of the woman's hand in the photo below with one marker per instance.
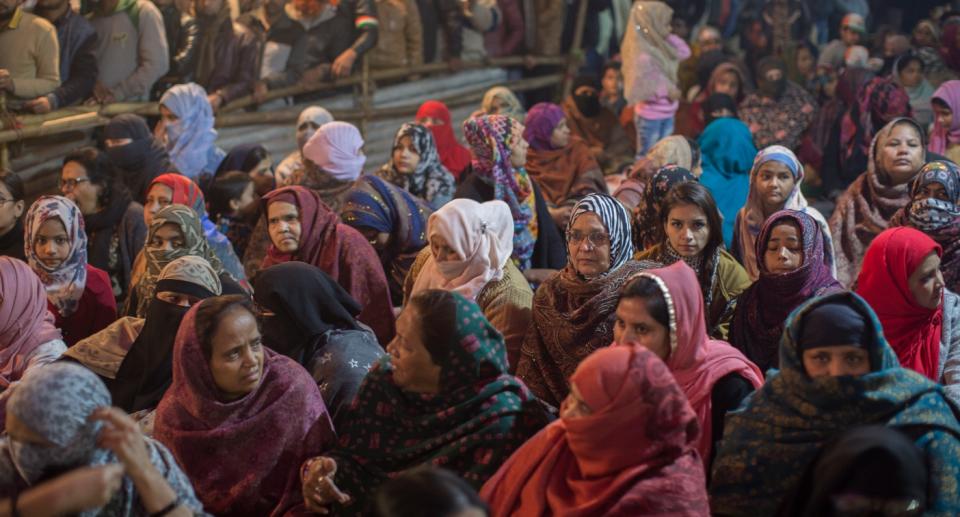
(80, 489)
(121, 435)
(319, 490)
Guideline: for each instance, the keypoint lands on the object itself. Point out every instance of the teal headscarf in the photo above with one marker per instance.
(728, 151)
(771, 440)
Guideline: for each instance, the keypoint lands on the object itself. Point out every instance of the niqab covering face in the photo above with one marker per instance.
(190, 139)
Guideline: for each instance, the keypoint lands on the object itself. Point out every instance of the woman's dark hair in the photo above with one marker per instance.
(429, 491)
(438, 322)
(694, 152)
(99, 169)
(911, 57)
(13, 182)
(224, 189)
(256, 155)
(610, 65)
(649, 290)
(211, 312)
(693, 193)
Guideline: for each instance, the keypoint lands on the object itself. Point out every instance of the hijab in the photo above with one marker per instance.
(941, 138)
(728, 154)
(481, 233)
(615, 219)
(757, 324)
(718, 72)
(430, 181)
(878, 102)
(455, 157)
(510, 104)
(937, 218)
(914, 332)
(336, 148)
(635, 454)
(25, 322)
(190, 139)
(559, 172)
(238, 156)
(277, 426)
(315, 114)
(647, 228)
(539, 124)
(143, 159)
(64, 283)
(646, 52)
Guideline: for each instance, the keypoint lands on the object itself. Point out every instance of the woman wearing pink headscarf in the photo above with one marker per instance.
(667, 304)
(945, 137)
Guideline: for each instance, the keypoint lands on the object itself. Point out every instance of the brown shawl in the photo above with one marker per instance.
(567, 173)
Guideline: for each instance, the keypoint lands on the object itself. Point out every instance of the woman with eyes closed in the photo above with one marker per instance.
(238, 417)
(789, 255)
(79, 295)
(692, 233)
(837, 371)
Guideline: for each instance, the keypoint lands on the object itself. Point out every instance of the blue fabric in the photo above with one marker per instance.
(649, 132)
(728, 151)
(779, 430)
(222, 248)
(190, 140)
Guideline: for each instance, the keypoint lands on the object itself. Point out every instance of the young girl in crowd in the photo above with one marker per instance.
(233, 205)
(415, 167)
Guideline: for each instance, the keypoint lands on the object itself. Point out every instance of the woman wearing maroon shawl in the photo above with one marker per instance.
(303, 228)
(625, 444)
(239, 418)
(789, 254)
(436, 116)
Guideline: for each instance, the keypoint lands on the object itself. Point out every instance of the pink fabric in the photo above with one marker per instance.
(336, 148)
(25, 322)
(941, 138)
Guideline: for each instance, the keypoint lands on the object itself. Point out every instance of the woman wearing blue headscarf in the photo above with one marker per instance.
(188, 131)
(727, 149)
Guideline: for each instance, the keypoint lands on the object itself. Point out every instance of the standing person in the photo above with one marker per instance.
(945, 136)
(187, 131)
(400, 38)
(78, 56)
(136, 153)
(651, 56)
(436, 116)
(415, 166)
(34, 69)
(79, 295)
(132, 51)
(12, 206)
(228, 54)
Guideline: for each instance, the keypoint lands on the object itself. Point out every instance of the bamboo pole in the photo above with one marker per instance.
(576, 52)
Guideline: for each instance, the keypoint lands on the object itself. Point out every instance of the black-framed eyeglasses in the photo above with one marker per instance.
(596, 238)
(70, 184)
(5, 201)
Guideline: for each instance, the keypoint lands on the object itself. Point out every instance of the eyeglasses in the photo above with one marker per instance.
(5, 201)
(596, 238)
(70, 184)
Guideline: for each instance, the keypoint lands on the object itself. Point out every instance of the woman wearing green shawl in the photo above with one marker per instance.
(727, 157)
(442, 397)
(781, 428)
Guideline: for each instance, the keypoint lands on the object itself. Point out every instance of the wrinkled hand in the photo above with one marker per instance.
(319, 490)
(121, 435)
(343, 65)
(40, 105)
(6, 80)
(260, 92)
(85, 488)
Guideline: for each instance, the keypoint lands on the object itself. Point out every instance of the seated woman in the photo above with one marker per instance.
(308, 123)
(500, 100)
(303, 228)
(836, 372)
(647, 230)
(186, 120)
(234, 208)
(560, 164)
(415, 167)
(133, 150)
(435, 116)
(469, 252)
(676, 150)
(728, 154)
(775, 185)
(691, 233)
(789, 255)
(442, 397)
(945, 135)
(863, 211)
(901, 281)
(662, 309)
(232, 394)
(393, 221)
(112, 219)
(78, 295)
(254, 160)
(59, 420)
(573, 311)
(11, 214)
(726, 79)
(306, 316)
(497, 172)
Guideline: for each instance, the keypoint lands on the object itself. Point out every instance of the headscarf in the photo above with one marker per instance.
(780, 111)
(615, 219)
(564, 173)
(728, 153)
(766, 87)
(490, 137)
(723, 68)
(430, 181)
(337, 149)
(936, 218)
(143, 159)
(375, 204)
(769, 442)
(479, 417)
(293, 163)
(761, 310)
(315, 114)
(539, 124)
(277, 426)
(455, 157)
(237, 156)
(750, 218)
(25, 322)
(715, 102)
(879, 101)
(696, 361)
(481, 233)
(66, 282)
(913, 331)
(513, 108)
(647, 228)
(190, 140)
(646, 52)
(635, 454)
(942, 137)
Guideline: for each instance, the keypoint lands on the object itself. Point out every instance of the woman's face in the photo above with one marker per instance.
(943, 115)
(687, 229)
(784, 249)
(612, 82)
(574, 406)
(441, 250)
(923, 36)
(10, 210)
(774, 183)
(51, 243)
(283, 224)
(158, 197)
(560, 137)
(236, 354)
(589, 246)
(498, 106)
(405, 156)
(167, 238)
(932, 190)
(805, 63)
(901, 153)
(926, 282)
(836, 361)
(635, 324)
(76, 186)
(728, 83)
(911, 75)
(518, 148)
(413, 368)
(179, 299)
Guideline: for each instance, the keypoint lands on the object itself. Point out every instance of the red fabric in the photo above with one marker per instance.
(913, 331)
(96, 309)
(341, 252)
(454, 156)
(185, 191)
(635, 454)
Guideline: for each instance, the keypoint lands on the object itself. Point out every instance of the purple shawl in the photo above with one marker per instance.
(541, 120)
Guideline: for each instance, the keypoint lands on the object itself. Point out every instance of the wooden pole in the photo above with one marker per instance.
(366, 102)
(4, 149)
(576, 53)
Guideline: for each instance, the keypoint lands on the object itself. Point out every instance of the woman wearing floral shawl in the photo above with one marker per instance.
(429, 180)
(647, 230)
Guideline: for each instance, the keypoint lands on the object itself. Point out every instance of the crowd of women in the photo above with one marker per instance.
(552, 317)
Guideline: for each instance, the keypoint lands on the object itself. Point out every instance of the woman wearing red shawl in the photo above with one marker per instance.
(789, 255)
(625, 445)
(662, 309)
(436, 116)
(238, 417)
(901, 281)
(303, 228)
